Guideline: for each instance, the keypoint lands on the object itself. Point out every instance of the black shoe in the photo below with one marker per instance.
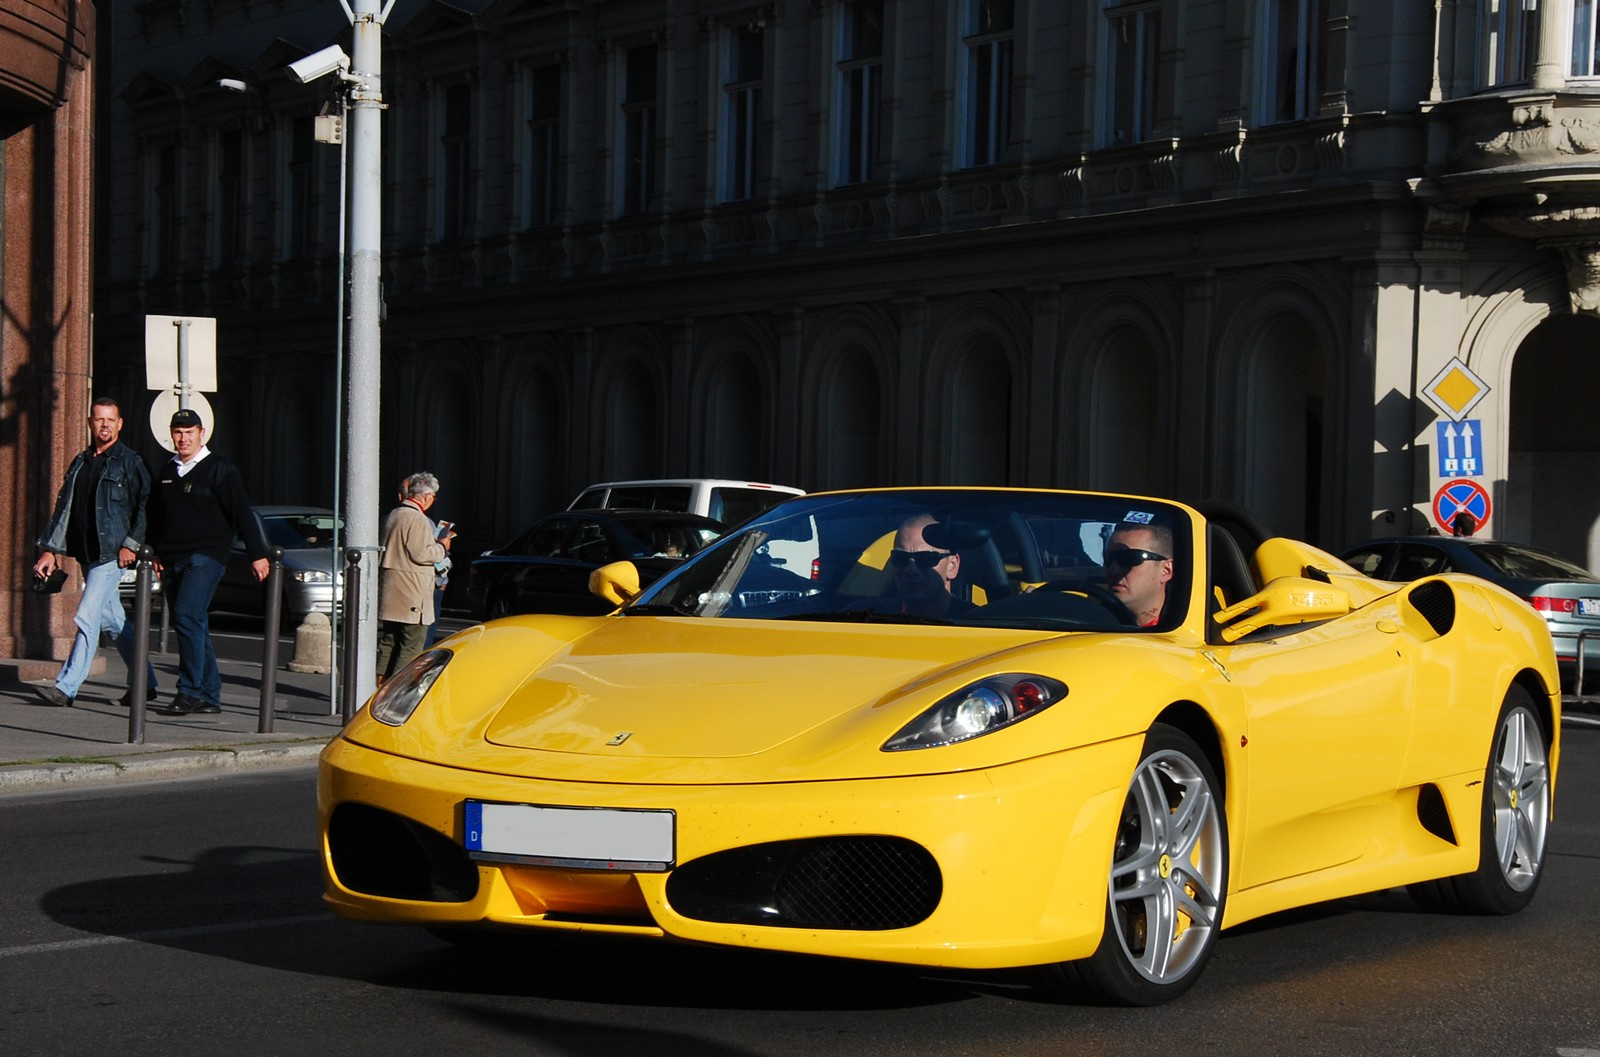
(208, 708)
(51, 696)
(149, 696)
(184, 705)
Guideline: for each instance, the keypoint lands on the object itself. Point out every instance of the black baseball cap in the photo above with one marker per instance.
(184, 418)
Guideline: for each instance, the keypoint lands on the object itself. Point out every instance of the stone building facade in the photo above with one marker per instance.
(46, 222)
(1203, 248)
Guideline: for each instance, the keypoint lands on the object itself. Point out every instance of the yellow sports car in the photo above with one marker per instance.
(974, 728)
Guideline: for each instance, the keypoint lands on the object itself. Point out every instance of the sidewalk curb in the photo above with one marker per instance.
(160, 764)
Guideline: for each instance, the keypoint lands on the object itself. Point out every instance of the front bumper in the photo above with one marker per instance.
(1022, 853)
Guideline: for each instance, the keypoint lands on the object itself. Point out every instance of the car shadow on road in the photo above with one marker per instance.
(262, 906)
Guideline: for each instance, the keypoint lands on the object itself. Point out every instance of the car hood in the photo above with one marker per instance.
(659, 699)
(318, 560)
(713, 688)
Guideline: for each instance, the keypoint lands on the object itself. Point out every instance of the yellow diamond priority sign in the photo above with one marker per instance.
(1456, 390)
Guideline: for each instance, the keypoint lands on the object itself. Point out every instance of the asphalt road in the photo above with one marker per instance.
(184, 918)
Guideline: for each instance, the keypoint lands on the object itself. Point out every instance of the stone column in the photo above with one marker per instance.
(1550, 64)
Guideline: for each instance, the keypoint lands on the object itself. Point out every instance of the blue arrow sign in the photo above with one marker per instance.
(1460, 448)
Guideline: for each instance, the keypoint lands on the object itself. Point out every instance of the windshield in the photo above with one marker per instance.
(1524, 563)
(977, 558)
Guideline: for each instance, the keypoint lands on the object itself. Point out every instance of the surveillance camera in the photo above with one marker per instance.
(319, 64)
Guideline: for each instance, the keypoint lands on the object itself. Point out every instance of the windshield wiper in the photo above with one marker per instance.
(658, 609)
(867, 616)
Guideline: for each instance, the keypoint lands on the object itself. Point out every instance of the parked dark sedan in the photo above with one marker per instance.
(546, 569)
(1566, 594)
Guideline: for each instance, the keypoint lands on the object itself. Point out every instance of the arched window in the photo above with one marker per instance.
(735, 437)
(1553, 497)
(632, 435)
(975, 443)
(1281, 426)
(1125, 415)
(850, 437)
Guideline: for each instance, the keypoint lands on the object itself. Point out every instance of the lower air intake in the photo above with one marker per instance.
(863, 883)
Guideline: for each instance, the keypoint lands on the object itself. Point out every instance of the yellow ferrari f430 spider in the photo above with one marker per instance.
(973, 728)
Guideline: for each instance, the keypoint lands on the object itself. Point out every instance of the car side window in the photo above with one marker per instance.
(1418, 560)
(735, 506)
(1368, 560)
(545, 541)
(588, 543)
(650, 497)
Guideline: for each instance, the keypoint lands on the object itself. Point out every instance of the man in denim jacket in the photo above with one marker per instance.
(99, 520)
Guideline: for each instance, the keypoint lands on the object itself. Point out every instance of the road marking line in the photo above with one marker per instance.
(157, 937)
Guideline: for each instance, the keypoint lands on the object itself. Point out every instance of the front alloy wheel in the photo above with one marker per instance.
(1168, 881)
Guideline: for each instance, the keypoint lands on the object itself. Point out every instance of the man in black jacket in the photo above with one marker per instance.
(99, 520)
(197, 509)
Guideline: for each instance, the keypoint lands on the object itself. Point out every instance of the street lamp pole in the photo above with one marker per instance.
(364, 364)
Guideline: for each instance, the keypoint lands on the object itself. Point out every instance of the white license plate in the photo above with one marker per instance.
(1589, 607)
(590, 838)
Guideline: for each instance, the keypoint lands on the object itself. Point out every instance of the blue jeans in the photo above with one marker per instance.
(438, 611)
(99, 610)
(188, 586)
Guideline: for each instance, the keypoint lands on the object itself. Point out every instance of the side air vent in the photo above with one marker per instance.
(1436, 602)
(1433, 815)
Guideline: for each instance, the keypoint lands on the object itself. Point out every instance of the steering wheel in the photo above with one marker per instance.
(1097, 591)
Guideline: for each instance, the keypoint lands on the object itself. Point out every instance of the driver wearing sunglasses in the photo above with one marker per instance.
(922, 572)
(1138, 565)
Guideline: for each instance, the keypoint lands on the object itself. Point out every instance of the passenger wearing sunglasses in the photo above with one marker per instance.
(1138, 565)
(923, 573)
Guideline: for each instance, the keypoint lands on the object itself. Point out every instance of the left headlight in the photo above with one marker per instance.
(311, 576)
(982, 708)
(400, 696)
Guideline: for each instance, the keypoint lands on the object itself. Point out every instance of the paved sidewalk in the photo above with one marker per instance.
(43, 747)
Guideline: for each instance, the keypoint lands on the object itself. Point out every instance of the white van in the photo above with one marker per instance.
(730, 502)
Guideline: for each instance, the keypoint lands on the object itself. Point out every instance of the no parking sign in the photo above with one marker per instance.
(1457, 496)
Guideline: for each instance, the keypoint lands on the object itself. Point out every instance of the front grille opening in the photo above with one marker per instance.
(859, 882)
(379, 853)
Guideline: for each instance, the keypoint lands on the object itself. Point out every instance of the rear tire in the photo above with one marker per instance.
(1512, 825)
(1168, 883)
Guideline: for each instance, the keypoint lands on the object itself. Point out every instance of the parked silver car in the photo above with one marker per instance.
(310, 573)
(1566, 594)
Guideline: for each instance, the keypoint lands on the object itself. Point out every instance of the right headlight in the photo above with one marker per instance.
(399, 697)
(982, 708)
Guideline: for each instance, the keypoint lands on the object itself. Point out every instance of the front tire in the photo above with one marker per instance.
(1168, 882)
(1513, 823)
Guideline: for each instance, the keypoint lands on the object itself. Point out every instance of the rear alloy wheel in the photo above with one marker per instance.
(1168, 882)
(1512, 825)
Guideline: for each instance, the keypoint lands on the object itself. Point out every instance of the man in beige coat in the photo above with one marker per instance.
(405, 574)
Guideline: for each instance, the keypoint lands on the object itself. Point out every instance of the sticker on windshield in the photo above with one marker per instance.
(1138, 517)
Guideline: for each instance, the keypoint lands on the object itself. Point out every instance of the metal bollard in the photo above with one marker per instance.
(137, 683)
(269, 644)
(350, 629)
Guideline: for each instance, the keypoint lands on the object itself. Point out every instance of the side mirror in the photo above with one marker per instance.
(617, 583)
(1286, 600)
